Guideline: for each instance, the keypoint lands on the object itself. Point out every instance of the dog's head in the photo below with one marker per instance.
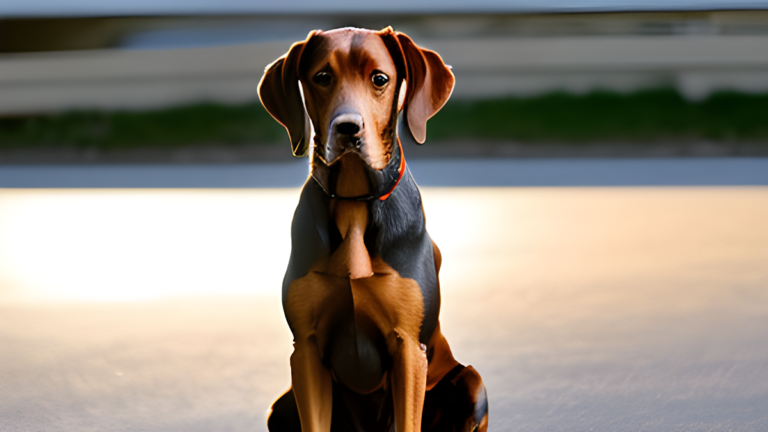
(351, 84)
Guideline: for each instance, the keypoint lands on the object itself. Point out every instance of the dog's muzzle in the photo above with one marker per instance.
(344, 134)
(383, 182)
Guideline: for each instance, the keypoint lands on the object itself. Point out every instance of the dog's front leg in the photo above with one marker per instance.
(396, 305)
(312, 385)
(310, 305)
(409, 381)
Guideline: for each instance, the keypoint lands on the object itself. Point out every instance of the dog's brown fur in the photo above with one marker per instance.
(348, 59)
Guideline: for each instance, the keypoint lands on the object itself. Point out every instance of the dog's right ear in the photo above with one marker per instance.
(279, 92)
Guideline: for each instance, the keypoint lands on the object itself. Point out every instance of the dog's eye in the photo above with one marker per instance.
(380, 79)
(322, 78)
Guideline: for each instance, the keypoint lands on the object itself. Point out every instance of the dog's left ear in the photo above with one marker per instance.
(279, 92)
(430, 83)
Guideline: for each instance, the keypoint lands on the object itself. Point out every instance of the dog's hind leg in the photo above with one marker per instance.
(458, 403)
(284, 414)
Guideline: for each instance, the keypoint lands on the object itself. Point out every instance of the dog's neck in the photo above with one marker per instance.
(352, 218)
(370, 184)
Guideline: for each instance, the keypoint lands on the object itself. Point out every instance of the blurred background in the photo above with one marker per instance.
(598, 185)
(599, 83)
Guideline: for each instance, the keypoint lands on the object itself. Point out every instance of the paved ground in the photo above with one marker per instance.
(585, 309)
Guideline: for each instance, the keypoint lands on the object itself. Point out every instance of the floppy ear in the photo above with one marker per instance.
(430, 83)
(279, 93)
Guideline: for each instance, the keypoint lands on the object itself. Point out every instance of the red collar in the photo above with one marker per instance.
(400, 171)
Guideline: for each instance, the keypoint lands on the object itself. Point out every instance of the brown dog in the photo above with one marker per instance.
(361, 293)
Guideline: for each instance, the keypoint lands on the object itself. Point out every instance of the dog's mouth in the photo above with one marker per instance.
(330, 154)
(349, 175)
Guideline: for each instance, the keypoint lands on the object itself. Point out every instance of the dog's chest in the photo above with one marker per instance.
(384, 307)
(354, 291)
(360, 303)
(351, 257)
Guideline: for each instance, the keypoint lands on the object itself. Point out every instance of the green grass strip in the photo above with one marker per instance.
(659, 114)
(174, 127)
(649, 115)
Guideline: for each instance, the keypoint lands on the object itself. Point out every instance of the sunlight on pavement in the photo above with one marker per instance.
(606, 309)
(113, 245)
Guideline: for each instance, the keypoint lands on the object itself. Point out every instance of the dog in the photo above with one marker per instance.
(361, 292)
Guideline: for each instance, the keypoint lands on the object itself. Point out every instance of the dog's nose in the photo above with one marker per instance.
(347, 128)
(348, 124)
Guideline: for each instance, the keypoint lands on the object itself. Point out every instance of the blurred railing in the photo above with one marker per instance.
(492, 56)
